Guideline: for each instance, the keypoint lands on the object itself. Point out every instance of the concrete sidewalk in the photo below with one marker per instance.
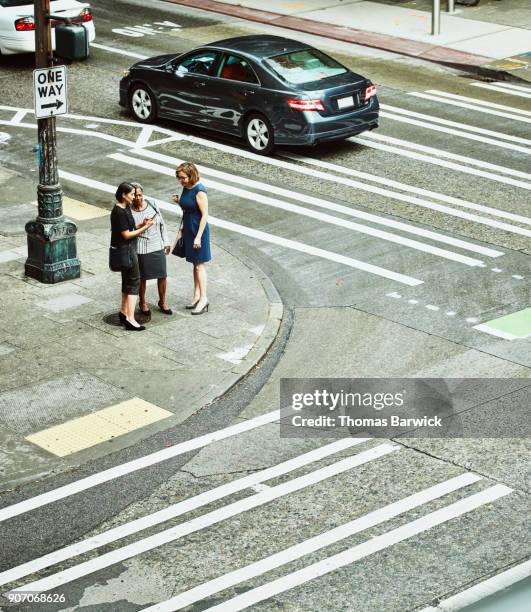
(74, 384)
(492, 39)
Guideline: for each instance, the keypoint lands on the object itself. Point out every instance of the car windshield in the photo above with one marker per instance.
(18, 3)
(304, 66)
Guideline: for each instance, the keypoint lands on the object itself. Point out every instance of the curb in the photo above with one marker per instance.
(410, 48)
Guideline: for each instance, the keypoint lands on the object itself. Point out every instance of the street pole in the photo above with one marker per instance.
(450, 7)
(436, 18)
(52, 253)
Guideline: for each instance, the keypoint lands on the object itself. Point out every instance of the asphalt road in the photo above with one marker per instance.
(387, 251)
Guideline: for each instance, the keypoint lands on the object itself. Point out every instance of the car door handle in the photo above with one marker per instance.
(199, 84)
(248, 92)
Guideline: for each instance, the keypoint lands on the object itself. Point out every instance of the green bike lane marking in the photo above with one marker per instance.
(515, 326)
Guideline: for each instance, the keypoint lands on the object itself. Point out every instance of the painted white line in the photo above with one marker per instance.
(517, 276)
(394, 295)
(178, 509)
(313, 544)
(503, 89)
(405, 187)
(361, 139)
(206, 520)
(432, 307)
(495, 332)
(496, 270)
(478, 102)
(472, 319)
(119, 51)
(19, 115)
(483, 589)
(412, 301)
(136, 464)
(381, 542)
(419, 231)
(451, 313)
(506, 85)
(294, 208)
(474, 107)
(144, 136)
(262, 236)
(455, 132)
(462, 126)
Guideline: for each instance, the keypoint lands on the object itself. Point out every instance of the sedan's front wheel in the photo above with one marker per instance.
(143, 105)
(258, 133)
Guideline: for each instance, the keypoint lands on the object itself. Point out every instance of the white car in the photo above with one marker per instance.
(17, 28)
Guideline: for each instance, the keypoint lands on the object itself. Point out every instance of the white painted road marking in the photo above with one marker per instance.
(452, 101)
(381, 542)
(478, 102)
(522, 92)
(315, 201)
(136, 464)
(294, 208)
(313, 544)
(178, 509)
(206, 520)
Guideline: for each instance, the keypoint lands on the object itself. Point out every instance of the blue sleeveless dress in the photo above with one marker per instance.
(191, 220)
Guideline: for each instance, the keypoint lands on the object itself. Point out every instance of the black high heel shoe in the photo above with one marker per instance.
(166, 311)
(202, 311)
(146, 313)
(131, 327)
(122, 317)
(191, 306)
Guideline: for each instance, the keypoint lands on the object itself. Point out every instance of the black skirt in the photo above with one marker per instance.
(152, 265)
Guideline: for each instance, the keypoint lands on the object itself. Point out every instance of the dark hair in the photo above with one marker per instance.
(122, 189)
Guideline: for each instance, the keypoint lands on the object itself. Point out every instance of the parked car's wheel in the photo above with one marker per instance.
(142, 104)
(258, 133)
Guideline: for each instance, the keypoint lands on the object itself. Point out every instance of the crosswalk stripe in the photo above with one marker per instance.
(441, 153)
(136, 464)
(440, 162)
(206, 520)
(352, 212)
(478, 102)
(462, 126)
(313, 544)
(476, 107)
(507, 85)
(324, 217)
(351, 183)
(521, 92)
(262, 236)
(381, 542)
(454, 132)
(182, 507)
(411, 189)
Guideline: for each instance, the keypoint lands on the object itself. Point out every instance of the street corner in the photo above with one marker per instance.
(76, 386)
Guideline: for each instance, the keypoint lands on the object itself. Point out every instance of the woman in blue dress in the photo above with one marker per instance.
(195, 231)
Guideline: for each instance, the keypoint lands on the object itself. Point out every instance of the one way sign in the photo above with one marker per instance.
(49, 89)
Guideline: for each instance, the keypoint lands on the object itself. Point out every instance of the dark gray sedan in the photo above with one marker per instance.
(265, 89)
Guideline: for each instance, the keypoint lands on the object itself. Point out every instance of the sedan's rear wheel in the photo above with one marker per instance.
(142, 104)
(259, 135)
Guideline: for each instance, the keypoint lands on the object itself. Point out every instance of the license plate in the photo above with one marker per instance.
(345, 102)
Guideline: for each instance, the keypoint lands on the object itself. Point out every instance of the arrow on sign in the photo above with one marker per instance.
(56, 104)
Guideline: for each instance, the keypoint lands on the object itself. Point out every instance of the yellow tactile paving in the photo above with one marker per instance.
(81, 211)
(97, 427)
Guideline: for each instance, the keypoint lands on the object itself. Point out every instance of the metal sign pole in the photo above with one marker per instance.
(450, 7)
(52, 253)
(436, 18)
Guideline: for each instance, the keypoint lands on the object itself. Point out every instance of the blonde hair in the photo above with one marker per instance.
(190, 170)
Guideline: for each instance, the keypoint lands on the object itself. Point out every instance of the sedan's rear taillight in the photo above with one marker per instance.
(24, 24)
(369, 93)
(306, 105)
(86, 14)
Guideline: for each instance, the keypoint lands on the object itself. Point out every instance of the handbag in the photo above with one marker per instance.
(120, 258)
(178, 249)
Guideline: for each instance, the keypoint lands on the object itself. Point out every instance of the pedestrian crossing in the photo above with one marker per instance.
(474, 492)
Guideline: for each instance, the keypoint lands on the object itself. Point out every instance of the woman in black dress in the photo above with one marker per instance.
(123, 233)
